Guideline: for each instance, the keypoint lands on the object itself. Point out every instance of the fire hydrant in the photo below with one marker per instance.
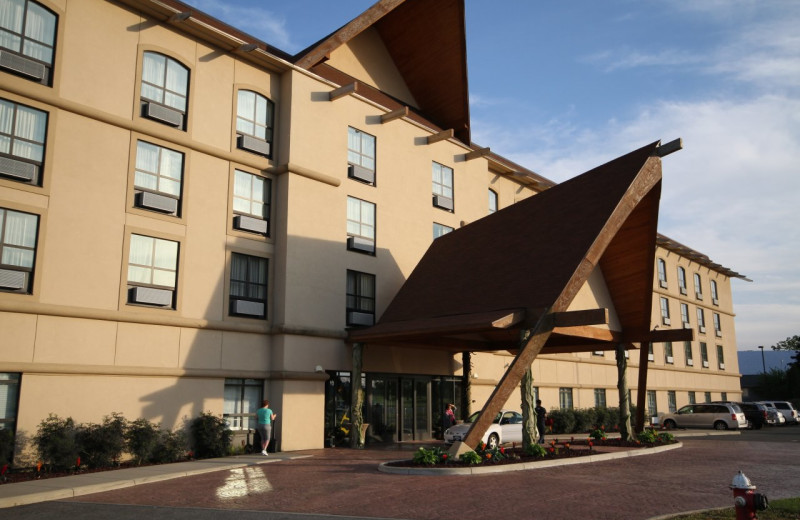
(746, 501)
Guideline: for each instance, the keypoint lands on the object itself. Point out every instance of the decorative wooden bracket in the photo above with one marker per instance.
(441, 136)
(342, 91)
(474, 154)
(394, 114)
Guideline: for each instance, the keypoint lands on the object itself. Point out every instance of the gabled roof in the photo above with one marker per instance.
(477, 287)
(427, 42)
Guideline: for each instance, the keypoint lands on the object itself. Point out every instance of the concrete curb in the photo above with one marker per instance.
(68, 487)
(503, 468)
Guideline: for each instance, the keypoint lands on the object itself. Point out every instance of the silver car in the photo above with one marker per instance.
(707, 415)
(506, 427)
(787, 409)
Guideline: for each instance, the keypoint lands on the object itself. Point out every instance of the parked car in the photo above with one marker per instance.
(774, 416)
(755, 413)
(720, 416)
(506, 427)
(787, 409)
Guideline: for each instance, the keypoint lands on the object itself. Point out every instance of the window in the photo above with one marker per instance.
(158, 178)
(685, 315)
(254, 119)
(165, 90)
(721, 357)
(27, 39)
(360, 156)
(360, 226)
(565, 398)
(492, 201)
(704, 354)
(662, 273)
(714, 293)
(442, 186)
(707, 396)
(665, 311)
(9, 399)
(650, 355)
(18, 232)
(242, 398)
(724, 396)
(652, 404)
(599, 397)
(668, 353)
(599, 353)
(251, 202)
(672, 401)
(152, 271)
(717, 324)
(682, 279)
(692, 398)
(698, 287)
(440, 229)
(22, 135)
(687, 350)
(248, 292)
(701, 320)
(360, 298)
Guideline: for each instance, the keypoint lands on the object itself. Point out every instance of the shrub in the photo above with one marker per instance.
(6, 445)
(666, 437)
(101, 445)
(585, 420)
(647, 436)
(470, 457)
(170, 446)
(429, 457)
(55, 442)
(535, 450)
(210, 436)
(563, 420)
(141, 438)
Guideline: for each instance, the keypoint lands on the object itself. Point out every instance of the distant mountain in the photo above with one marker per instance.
(750, 360)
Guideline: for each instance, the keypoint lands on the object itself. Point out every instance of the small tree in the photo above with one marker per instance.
(101, 445)
(141, 438)
(210, 436)
(55, 442)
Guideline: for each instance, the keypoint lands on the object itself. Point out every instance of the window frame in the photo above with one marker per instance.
(662, 273)
(721, 357)
(440, 188)
(246, 420)
(357, 240)
(688, 353)
(12, 381)
(600, 398)
(143, 100)
(685, 319)
(669, 357)
(356, 169)
(248, 283)
(664, 303)
(692, 397)
(682, 280)
(13, 138)
(248, 223)
(161, 150)
(565, 398)
(444, 229)
(698, 286)
(704, 354)
(28, 248)
(717, 321)
(714, 292)
(357, 297)
(128, 286)
(701, 320)
(672, 401)
(48, 66)
(243, 137)
(494, 201)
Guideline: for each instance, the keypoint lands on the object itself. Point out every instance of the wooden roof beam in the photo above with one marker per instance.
(343, 91)
(670, 147)
(441, 136)
(394, 114)
(579, 318)
(474, 154)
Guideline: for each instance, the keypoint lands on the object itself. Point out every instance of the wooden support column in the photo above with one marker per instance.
(356, 397)
(624, 394)
(527, 354)
(641, 394)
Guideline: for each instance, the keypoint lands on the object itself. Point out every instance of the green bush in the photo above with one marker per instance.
(429, 457)
(647, 436)
(563, 420)
(141, 439)
(170, 447)
(470, 457)
(55, 442)
(210, 436)
(585, 420)
(535, 450)
(6, 446)
(101, 445)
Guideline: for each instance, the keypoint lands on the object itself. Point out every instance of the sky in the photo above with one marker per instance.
(563, 86)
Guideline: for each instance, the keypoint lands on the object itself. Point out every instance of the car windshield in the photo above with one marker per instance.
(474, 417)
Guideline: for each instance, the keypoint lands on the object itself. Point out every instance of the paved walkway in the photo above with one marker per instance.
(346, 483)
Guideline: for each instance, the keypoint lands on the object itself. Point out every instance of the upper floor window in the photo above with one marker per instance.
(698, 287)
(158, 178)
(492, 201)
(442, 186)
(671, 401)
(682, 279)
(248, 292)
(27, 39)
(701, 320)
(565, 398)
(152, 271)
(360, 298)
(255, 115)
(360, 225)
(714, 293)
(665, 311)
(717, 324)
(685, 314)
(440, 230)
(704, 354)
(22, 136)
(721, 357)
(18, 232)
(652, 403)
(251, 202)
(687, 351)
(650, 353)
(662, 273)
(360, 155)
(165, 90)
(668, 353)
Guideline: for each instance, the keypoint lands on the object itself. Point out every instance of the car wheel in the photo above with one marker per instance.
(720, 425)
(493, 441)
(669, 424)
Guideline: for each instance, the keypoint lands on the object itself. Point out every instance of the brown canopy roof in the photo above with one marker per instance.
(477, 287)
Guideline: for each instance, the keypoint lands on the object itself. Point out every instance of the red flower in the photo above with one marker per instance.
(3, 471)
(488, 455)
(444, 456)
(552, 443)
(39, 466)
(503, 450)
(552, 450)
(591, 444)
(78, 462)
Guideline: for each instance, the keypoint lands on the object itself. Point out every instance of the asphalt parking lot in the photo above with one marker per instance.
(345, 484)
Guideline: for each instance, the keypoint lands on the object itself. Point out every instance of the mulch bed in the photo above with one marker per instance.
(13, 476)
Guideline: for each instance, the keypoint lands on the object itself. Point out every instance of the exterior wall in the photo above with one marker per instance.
(84, 352)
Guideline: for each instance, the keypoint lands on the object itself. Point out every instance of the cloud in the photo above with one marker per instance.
(266, 25)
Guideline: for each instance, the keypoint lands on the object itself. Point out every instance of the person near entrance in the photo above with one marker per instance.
(448, 417)
(541, 413)
(265, 416)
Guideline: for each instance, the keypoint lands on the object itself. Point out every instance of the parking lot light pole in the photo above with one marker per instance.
(763, 364)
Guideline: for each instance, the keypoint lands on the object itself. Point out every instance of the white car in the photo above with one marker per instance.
(506, 427)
